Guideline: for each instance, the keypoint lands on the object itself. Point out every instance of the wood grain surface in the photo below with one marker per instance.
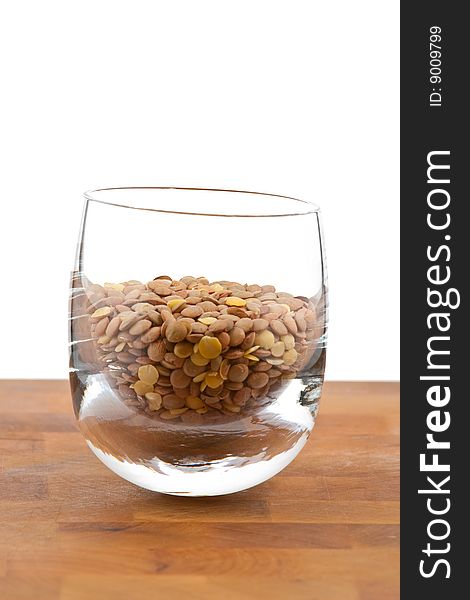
(325, 528)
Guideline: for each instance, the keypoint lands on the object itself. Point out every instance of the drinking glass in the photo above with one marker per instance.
(197, 334)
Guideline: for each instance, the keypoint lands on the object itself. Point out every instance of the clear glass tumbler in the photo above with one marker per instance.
(197, 334)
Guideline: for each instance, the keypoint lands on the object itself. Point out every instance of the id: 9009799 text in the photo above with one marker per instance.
(435, 64)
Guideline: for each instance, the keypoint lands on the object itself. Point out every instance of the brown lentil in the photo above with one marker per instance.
(151, 335)
(176, 332)
(238, 373)
(156, 350)
(101, 326)
(260, 324)
(173, 401)
(278, 327)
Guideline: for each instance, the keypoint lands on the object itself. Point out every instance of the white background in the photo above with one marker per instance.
(294, 97)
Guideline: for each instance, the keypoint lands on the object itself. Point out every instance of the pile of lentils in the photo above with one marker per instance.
(189, 349)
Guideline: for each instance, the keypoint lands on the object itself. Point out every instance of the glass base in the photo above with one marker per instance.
(221, 456)
(225, 476)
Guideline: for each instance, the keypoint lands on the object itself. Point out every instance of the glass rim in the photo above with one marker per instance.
(307, 207)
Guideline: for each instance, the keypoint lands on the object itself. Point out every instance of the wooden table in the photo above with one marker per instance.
(326, 528)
